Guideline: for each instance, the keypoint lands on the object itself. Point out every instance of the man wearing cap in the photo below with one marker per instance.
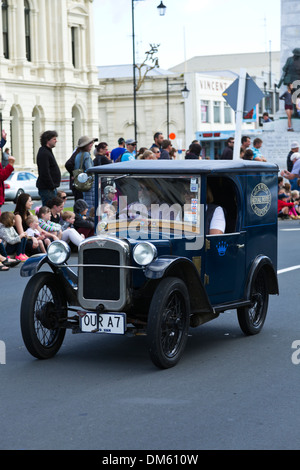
(116, 152)
(49, 173)
(294, 174)
(129, 154)
(294, 148)
(109, 194)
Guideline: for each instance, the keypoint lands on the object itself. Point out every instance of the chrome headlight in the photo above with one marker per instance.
(58, 252)
(144, 253)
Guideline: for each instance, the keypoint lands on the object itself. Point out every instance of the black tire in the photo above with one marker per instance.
(41, 301)
(168, 322)
(251, 319)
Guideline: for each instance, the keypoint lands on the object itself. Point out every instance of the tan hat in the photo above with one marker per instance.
(85, 140)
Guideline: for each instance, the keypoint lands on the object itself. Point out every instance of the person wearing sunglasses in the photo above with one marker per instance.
(129, 153)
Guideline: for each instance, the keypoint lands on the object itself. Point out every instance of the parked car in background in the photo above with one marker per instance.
(20, 182)
(65, 184)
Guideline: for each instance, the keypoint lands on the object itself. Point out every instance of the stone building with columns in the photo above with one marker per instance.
(48, 79)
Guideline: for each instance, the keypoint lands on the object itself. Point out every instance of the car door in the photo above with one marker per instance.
(224, 254)
(224, 277)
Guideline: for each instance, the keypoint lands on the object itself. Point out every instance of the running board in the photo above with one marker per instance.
(231, 306)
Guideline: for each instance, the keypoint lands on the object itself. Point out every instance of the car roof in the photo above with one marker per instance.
(184, 166)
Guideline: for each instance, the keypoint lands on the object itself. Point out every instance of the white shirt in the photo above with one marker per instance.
(218, 220)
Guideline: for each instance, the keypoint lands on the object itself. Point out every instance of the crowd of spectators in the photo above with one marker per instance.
(23, 233)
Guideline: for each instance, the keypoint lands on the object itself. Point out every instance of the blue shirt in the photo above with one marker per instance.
(127, 156)
(256, 153)
(115, 153)
(87, 161)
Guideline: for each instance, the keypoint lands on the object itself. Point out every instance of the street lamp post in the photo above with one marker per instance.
(184, 92)
(161, 9)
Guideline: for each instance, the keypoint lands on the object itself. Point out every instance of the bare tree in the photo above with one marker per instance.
(144, 68)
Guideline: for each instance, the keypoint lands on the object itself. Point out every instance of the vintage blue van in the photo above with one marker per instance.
(176, 244)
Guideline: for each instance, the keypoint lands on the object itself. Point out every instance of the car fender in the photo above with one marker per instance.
(262, 262)
(184, 269)
(68, 278)
(33, 264)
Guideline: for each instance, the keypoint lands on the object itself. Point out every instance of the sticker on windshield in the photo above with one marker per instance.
(260, 199)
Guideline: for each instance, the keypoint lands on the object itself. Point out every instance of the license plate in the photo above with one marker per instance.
(111, 323)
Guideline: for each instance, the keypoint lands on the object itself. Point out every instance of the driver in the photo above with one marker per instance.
(148, 206)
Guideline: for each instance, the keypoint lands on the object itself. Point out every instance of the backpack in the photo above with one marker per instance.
(70, 164)
(82, 181)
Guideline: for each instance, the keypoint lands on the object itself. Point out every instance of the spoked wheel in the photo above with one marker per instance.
(42, 306)
(251, 319)
(168, 322)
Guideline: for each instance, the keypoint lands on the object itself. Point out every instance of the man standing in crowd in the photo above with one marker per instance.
(116, 152)
(294, 148)
(49, 173)
(129, 154)
(166, 147)
(228, 150)
(158, 138)
(294, 174)
(246, 142)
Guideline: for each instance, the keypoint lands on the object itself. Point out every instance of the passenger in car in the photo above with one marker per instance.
(215, 216)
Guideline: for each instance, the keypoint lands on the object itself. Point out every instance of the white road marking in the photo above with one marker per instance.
(285, 270)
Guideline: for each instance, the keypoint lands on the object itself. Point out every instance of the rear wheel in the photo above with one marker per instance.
(42, 307)
(168, 322)
(251, 319)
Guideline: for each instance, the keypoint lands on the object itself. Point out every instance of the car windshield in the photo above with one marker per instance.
(143, 206)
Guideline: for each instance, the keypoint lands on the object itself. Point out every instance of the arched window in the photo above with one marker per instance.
(27, 30)
(5, 28)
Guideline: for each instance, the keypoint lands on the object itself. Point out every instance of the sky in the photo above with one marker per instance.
(189, 28)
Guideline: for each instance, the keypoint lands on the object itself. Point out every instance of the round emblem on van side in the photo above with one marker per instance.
(260, 199)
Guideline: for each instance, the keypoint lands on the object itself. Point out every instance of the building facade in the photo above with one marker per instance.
(160, 106)
(48, 79)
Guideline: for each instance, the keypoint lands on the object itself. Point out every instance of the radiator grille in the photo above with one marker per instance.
(101, 282)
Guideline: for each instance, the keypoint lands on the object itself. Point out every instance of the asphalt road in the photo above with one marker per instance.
(228, 391)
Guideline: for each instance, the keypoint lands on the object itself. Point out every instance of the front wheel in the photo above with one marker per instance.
(251, 319)
(42, 308)
(168, 322)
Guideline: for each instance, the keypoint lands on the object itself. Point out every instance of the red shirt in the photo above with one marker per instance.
(4, 174)
(282, 204)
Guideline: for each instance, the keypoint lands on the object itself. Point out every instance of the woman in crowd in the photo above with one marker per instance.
(22, 211)
(83, 150)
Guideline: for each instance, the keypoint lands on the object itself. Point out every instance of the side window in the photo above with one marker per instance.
(224, 193)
